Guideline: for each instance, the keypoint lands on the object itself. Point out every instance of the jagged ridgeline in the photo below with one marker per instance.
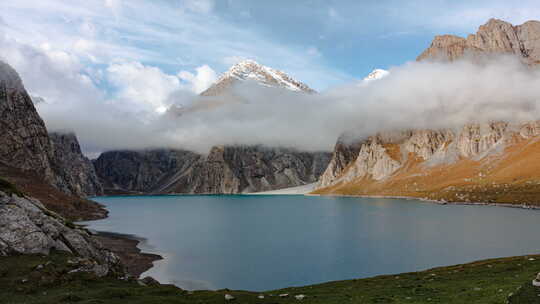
(494, 37)
(225, 169)
(495, 162)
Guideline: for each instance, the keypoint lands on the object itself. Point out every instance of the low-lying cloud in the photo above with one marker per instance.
(415, 95)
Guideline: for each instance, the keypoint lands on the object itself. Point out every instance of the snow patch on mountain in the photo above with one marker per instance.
(375, 75)
(263, 75)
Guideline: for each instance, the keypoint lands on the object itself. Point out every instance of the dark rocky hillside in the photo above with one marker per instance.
(226, 169)
(26, 145)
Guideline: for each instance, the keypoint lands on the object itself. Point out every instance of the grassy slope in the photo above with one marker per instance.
(510, 178)
(489, 281)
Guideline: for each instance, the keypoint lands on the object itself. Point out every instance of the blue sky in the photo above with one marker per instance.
(187, 43)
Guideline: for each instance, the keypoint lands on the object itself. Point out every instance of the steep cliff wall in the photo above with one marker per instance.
(224, 170)
(479, 162)
(250, 169)
(73, 167)
(26, 145)
(24, 142)
(141, 171)
(345, 152)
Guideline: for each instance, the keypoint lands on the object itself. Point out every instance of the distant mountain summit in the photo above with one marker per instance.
(225, 169)
(376, 74)
(253, 71)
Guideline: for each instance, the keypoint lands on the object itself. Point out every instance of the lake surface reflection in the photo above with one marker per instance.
(269, 242)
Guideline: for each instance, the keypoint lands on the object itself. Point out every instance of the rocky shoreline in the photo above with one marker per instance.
(125, 246)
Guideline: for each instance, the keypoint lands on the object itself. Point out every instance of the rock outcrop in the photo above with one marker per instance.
(26, 145)
(381, 155)
(225, 169)
(73, 167)
(494, 37)
(27, 227)
(24, 142)
(142, 171)
(229, 169)
(474, 156)
(345, 153)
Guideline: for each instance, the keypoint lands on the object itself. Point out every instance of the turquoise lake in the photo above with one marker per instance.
(258, 243)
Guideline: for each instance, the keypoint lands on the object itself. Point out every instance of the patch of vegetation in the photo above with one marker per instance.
(9, 188)
(22, 280)
(515, 194)
(526, 294)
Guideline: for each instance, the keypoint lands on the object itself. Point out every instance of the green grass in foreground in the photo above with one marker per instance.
(489, 281)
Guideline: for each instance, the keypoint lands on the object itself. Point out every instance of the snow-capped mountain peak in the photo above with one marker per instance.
(251, 70)
(376, 74)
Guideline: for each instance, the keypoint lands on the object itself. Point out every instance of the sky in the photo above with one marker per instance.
(136, 54)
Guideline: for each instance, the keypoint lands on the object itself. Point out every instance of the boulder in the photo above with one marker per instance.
(26, 227)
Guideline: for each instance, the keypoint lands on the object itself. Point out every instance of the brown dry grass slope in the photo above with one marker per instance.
(69, 206)
(510, 177)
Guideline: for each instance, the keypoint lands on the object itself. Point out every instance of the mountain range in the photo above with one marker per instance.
(493, 162)
(225, 169)
(489, 162)
(45, 179)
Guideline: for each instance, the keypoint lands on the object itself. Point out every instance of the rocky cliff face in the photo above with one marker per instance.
(27, 227)
(224, 170)
(494, 37)
(250, 169)
(26, 145)
(345, 153)
(142, 171)
(73, 167)
(395, 164)
(491, 162)
(24, 142)
(381, 155)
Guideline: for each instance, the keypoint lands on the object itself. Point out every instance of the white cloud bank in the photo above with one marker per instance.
(148, 86)
(204, 77)
(415, 95)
